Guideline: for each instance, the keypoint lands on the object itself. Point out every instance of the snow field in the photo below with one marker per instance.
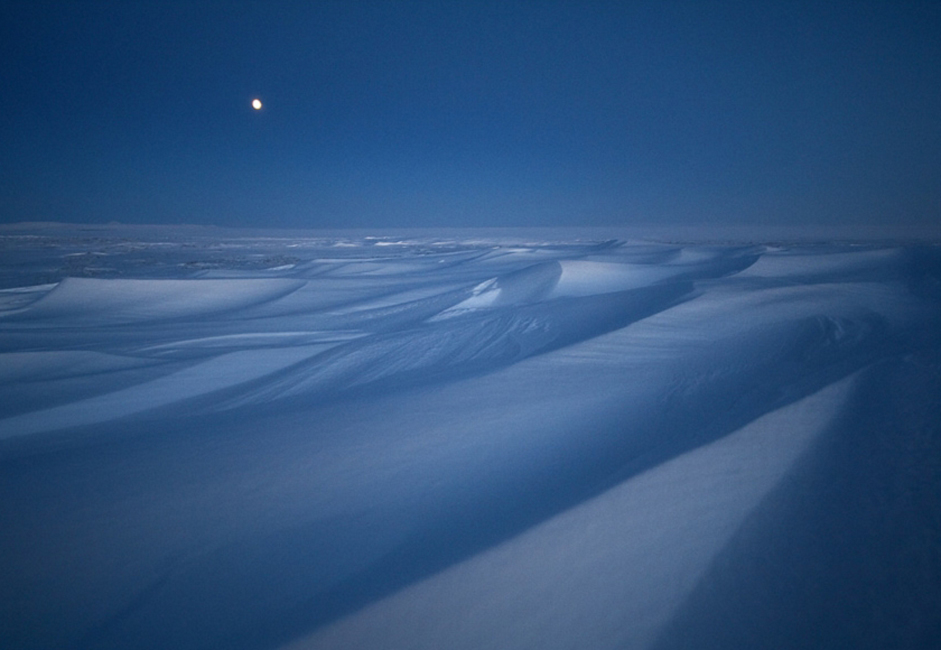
(427, 442)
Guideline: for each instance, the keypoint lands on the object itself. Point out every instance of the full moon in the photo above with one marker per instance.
(256, 104)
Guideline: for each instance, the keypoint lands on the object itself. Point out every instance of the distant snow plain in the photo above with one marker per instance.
(488, 439)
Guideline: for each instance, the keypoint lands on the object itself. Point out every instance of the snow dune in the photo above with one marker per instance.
(614, 567)
(13, 300)
(81, 300)
(492, 440)
(221, 372)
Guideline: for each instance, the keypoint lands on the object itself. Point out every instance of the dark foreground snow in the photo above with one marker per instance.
(488, 441)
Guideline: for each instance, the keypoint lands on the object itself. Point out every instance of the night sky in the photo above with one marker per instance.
(393, 114)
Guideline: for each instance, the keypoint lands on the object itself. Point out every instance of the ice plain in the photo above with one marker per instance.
(488, 439)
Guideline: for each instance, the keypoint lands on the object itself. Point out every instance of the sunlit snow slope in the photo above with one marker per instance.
(211, 439)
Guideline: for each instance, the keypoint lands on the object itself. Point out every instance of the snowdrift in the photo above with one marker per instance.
(475, 442)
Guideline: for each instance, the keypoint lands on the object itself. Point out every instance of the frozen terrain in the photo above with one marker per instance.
(513, 440)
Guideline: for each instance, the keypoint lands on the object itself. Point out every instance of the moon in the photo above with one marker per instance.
(256, 104)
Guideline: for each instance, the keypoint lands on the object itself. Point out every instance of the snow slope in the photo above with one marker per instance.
(506, 440)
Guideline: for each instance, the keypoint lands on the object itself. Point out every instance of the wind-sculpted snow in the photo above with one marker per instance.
(487, 441)
(108, 302)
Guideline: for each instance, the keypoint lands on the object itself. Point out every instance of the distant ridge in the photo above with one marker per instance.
(715, 234)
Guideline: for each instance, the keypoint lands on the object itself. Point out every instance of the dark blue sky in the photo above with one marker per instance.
(471, 113)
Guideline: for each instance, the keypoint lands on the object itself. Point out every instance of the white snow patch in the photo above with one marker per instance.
(483, 296)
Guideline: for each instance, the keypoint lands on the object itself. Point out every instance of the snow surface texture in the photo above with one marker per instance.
(487, 441)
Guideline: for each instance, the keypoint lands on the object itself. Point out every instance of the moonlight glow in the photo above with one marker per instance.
(256, 104)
